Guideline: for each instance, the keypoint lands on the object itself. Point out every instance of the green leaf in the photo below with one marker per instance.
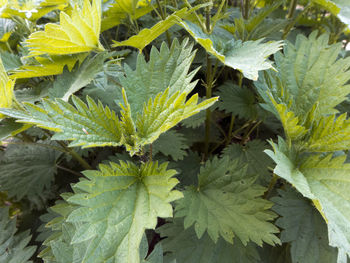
(9, 127)
(238, 101)
(340, 8)
(76, 33)
(46, 66)
(166, 68)
(147, 35)
(326, 181)
(13, 246)
(116, 205)
(31, 10)
(72, 81)
(226, 202)
(304, 228)
(171, 144)
(6, 89)
(308, 72)
(252, 153)
(10, 61)
(7, 26)
(329, 134)
(248, 57)
(184, 247)
(27, 170)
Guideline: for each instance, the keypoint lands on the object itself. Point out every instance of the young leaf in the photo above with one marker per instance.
(304, 227)
(248, 57)
(27, 170)
(75, 34)
(70, 82)
(46, 66)
(13, 246)
(147, 35)
(308, 73)
(184, 246)
(226, 202)
(166, 68)
(116, 205)
(6, 89)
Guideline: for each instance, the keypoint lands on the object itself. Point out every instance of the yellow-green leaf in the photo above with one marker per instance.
(6, 89)
(75, 34)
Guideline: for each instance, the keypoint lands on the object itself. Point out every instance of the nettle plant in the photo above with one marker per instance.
(174, 131)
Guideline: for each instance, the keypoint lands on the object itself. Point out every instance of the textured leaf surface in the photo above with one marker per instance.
(31, 10)
(166, 68)
(171, 144)
(304, 227)
(248, 57)
(47, 66)
(76, 33)
(147, 35)
(308, 72)
(184, 246)
(116, 205)
(252, 154)
(26, 171)
(13, 246)
(238, 101)
(10, 61)
(226, 203)
(70, 82)
(6, 89)
(325, 180)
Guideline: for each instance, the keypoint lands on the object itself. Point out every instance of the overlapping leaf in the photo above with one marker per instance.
(249, 57)
(26, 171)
(13, 246)
(340, 8)
(116, 205)
(6, 89)
(185, 247)
(75, 34)
(30, 9)
(304, 227)
(226, 203)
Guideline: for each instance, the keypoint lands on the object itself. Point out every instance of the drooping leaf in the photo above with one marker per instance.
(307, 73)
(340, 8)
(166, 68)
(116, 205)
(31, 10)
(72, 81)
(225, 203)
(6, 89)
(75, 34)
(171, 144)
(248, 57)
(46, 66)
(304, 227)
(27, 170)
(6, 28)
(252, 153)
(13, 246)
(238, 101)
(9, 127)
(184, 246)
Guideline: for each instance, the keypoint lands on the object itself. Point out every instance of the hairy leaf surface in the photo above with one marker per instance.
(76, 33)
(226, 202)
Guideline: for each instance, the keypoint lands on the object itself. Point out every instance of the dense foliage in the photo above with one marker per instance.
(174, 131)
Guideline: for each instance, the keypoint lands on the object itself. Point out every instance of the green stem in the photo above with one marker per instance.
(163, 16)
(293, 5)
(294, 21)
(229, 136)
(250, 131)
(68, 170)
(271, 186)
(76, 156)
(246, 9)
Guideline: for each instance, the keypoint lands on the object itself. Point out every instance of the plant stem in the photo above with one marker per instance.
(229, 135)
(209, 83)
(251, 130)
(294, 21)
(246, 9)
(271, 186)
(68, 170)
(76, 156)
(293, 5)
(163, 16)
